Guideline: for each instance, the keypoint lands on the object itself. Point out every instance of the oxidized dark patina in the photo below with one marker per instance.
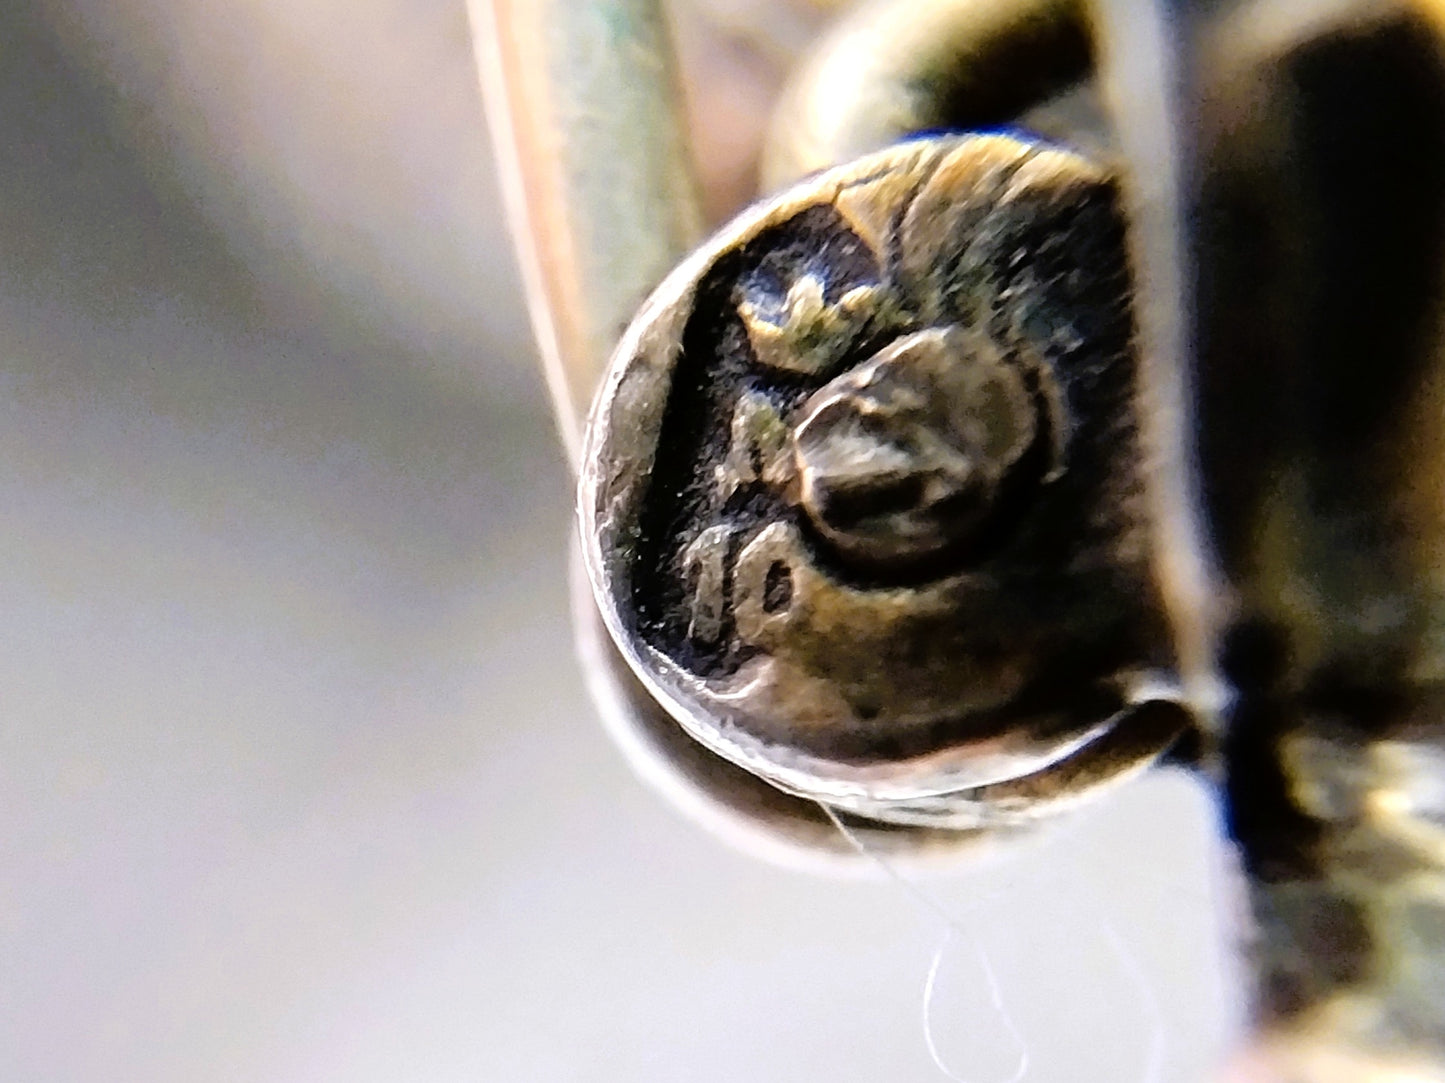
(864, 495)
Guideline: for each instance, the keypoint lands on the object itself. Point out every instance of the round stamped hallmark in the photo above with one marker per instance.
(862, 500)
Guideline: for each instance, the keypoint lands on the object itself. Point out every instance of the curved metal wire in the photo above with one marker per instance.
(582, 103)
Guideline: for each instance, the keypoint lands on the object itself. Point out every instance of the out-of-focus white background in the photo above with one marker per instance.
(298, 781)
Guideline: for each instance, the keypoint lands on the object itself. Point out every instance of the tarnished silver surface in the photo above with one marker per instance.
(890, 498)
(733, 804)
(891, 68)
(862, 496)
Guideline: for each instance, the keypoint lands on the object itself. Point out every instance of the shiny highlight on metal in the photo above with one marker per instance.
(967, 476)
(862, 500)
(582, 103)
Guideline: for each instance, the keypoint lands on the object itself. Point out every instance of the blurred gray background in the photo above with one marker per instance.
(298, 780)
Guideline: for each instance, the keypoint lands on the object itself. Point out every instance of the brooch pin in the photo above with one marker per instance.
(972, 472)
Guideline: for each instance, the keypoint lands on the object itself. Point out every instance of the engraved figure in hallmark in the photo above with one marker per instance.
(900, 458)
(704, 563)
(865, 495)
(805, 333)
(893, 461)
